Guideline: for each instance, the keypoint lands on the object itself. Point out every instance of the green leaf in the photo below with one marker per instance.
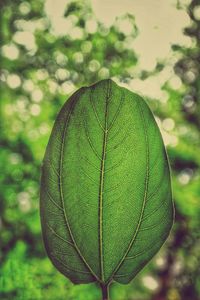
(106, 203)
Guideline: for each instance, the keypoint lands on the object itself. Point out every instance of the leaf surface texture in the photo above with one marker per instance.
(106, 203)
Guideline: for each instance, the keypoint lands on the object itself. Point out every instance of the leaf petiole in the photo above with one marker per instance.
(105, 291)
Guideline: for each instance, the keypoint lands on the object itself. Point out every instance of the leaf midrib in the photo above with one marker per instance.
(101, 184)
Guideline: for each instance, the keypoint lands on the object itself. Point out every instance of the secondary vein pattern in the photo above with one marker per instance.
(62, 196)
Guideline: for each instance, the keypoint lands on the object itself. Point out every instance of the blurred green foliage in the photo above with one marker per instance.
(39, 70)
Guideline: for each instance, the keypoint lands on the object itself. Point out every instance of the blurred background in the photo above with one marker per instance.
(48, 50)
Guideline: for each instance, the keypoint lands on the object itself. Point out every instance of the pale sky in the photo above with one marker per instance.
(159, 22)
(160, 25)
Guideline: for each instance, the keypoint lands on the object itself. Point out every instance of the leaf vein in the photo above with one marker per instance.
(118, 111)
(53, 167)
(59, 236)
(95, 112)
(70, 269)
(141, 252)
(90, 142)
(52, 200)
(101, 184)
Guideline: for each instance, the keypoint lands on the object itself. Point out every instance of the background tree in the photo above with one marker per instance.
(39, 70)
